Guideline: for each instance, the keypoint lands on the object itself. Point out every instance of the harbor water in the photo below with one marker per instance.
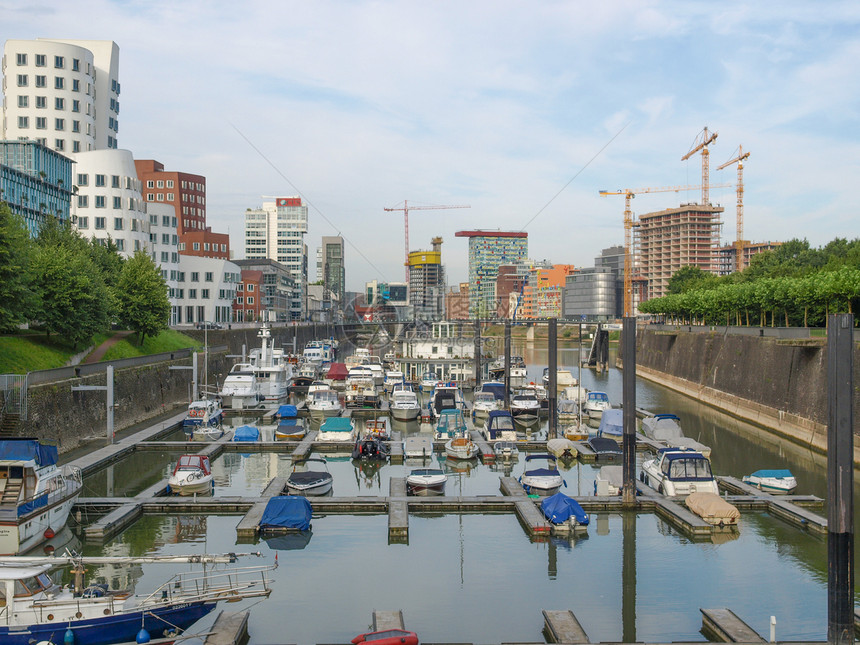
(479, 577)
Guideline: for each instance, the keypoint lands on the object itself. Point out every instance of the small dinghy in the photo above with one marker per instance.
(426, 481)
(562, 448)
(564, 513)
(775, 482)
(713, 509)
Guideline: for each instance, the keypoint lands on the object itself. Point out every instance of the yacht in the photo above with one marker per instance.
(272, 368)
(240, 390)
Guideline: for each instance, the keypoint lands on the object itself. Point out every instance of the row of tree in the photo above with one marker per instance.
(74, 287)
(794, 284)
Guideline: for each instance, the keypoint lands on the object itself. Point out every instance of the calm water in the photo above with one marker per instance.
(480, 578)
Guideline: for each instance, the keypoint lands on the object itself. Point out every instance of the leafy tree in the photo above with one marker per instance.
(688, 278)
(17, 299)
(142, 300)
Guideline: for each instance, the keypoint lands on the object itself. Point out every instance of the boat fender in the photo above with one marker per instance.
(69, 637)
(143, 636)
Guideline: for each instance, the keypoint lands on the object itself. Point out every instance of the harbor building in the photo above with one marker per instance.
(62, 93)
(186, 194)
(728, 254)
(667, 240)
(427, 282)
(276, 231)
(36, 182)
(590, 295)
(542, 292)
(488, 250)
(278, 288)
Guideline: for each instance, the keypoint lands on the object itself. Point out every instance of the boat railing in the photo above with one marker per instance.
(230, 584)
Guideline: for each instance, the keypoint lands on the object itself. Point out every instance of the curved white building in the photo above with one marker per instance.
(61, 93)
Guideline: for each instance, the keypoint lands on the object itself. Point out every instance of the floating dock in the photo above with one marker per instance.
(723, 625)
(563, 627)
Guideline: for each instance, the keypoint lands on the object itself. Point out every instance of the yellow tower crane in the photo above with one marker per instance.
(406, 208)
(703, 140)
(630, 193)
(739, 243)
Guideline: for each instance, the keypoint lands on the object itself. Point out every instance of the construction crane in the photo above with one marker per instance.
(703, 140)
(739, 243)
(630, 193)
(406, 208)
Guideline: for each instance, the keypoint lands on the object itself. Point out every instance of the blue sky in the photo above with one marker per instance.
(360, 105)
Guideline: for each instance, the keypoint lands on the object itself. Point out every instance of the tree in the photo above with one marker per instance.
(689, 278)
(17, 299)
(142, 300)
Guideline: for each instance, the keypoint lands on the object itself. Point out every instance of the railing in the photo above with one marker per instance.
(14, 388)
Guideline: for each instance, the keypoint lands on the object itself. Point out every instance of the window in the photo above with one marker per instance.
(114, 181)
(76, 126)
(120, 244)
(192, 293)
(223, 248)
(83, 180)
(83, 201)
(159, 197)
(41, 102)
(76, 65)
(240, 287)
(117, 202)
(165, 220)
(76, 85)
(41, 123)
(59, 124)
(250, 287)
(40, 60)
(209, 276)
(250, 300)
(165, 257)
(117, 224)
(165, 238)
(59, 83)
(100, 181)
(23, 122)
(22, 80)
(99, 223)
(170, 197)
(23, 101)
(196, 246)
(159, 183)
(240, 300)
(169, 183)
(100, 201)
(59, 103)
(76, 146)
(204, 293)
(205, 246)
(150, 197)
(21, 59)
(83, 222)
(59, 62)
(195, 277)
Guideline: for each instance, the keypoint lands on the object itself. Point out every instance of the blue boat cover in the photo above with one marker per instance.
(287, 411)
(336, 424)
(494, 414)
(28, 450)
(772, 473)
(289, 421)
(559, 508)
(611, 423)
(287, 512)
(667, 416)
(498, 389)
(246, 433)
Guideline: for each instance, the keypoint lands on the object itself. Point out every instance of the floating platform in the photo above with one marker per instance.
(230, 628)
(723, 625)
(563, 627)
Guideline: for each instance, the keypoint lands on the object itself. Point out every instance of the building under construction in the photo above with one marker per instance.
(667, 240)
(427, 282)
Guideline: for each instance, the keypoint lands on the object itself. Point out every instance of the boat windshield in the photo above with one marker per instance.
(503, 423)
(598, 396)
(484, 397)
(690, 468)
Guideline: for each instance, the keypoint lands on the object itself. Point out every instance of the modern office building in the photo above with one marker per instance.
(278, 288)
(487, 251)
(276, 231)
(590, 295)
(613, 259)
(62, 93)
(457, 302)
(333, 271)
(186, 194)
(427, 282)
(36, 182)
(542, 293)
(667, 240)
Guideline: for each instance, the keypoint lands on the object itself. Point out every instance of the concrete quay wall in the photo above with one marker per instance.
(777, 384)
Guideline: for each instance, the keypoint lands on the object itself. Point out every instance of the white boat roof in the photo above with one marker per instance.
(17, 571)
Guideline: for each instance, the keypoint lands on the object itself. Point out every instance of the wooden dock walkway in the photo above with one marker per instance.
(563, 627)
(230, 628)
(383, 620)
(723, 625)
(785, 507)
(398, 510)
(485, 451)
(249, 525)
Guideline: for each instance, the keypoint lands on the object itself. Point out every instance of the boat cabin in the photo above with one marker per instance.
(193, 462)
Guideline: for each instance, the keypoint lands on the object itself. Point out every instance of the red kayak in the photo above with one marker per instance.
(388, 637)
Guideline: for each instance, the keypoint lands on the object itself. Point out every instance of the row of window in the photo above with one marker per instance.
(41, 123)
(100, 201)
(208, 247)
(41, 103)
(115, 181)
(159, 197)
(166, 220)
(59, 62)
(160, 183)
(191, 210)
(40, 80)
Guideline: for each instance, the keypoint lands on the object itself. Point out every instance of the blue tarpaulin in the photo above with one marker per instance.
(287, 512)
(27, 450)
(246, 433)
(611, 423)
(287, 412)
(559, 508)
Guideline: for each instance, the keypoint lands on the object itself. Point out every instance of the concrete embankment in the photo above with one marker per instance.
(778, 384)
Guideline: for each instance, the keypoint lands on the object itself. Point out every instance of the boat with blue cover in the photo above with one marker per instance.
(286, 513)
(612, 424)
(775, 482)
(499, 426)
(309, 479)
(337, 429)
(36, 494)
(541, 480)
(564, 513)
(246, 433)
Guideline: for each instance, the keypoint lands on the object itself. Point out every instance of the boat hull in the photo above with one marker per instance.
(28, 531)
(324, 413)
(405, 414)
(310, 491)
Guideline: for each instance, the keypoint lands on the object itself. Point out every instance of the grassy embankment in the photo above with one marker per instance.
(33, 350)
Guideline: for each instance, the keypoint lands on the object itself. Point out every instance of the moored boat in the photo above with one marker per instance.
(541, 480)
(451, 423)
(595, 404)
(675, 471)
(562, 448)
(564, 514)
(713, 509)
(499, 426)
(405, 405)
(483, 403)
(240, 390)
(426, 481)
(307, 478)
(612, 424)
(202, 413)
(775, 482)
(325, 403)
(461, 447)
(337, 429)
(191, 475)
(370, 447)
(505, 449)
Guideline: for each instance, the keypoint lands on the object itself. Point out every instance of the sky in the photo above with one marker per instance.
(522, 111)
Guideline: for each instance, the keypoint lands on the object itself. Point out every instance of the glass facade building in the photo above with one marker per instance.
(487, 251)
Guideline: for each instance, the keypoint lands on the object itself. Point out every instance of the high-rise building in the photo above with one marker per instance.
(186, 194)
(427, 282)
(542, 293)
(613, 259)
(276, 231)
(590, 295)
(487, 251)
(728, 254)
(36, 182)
(333, 271)
(62, 93)
(673, 238)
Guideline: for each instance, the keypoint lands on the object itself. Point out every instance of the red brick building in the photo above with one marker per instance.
(186, 193)
(248, 305)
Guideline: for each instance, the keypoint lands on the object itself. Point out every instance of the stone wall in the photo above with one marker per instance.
(779, 384)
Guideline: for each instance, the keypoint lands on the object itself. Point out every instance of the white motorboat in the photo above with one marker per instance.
(307, 480)
(676, 471)
(325, 403)
(541, 480)
(595, 403)
(574, 393)
(562, 448)
(775, 482)
(392, 378)
(36, 495)
(428, 381)
(192, 475)
(483, 403)
(272, 368)
(461, 447)
(525, 406)
(505, 449)
(426, 481)
(337, 429)
(203, 413)
(563, 379)
(418, 446)
(609, 481)
(377, 371)
(499, 426)
(405, 405)
(666, 428)
(360, 389)
(37, 610)
(446, 397)
(568, 411)
(240, 390)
